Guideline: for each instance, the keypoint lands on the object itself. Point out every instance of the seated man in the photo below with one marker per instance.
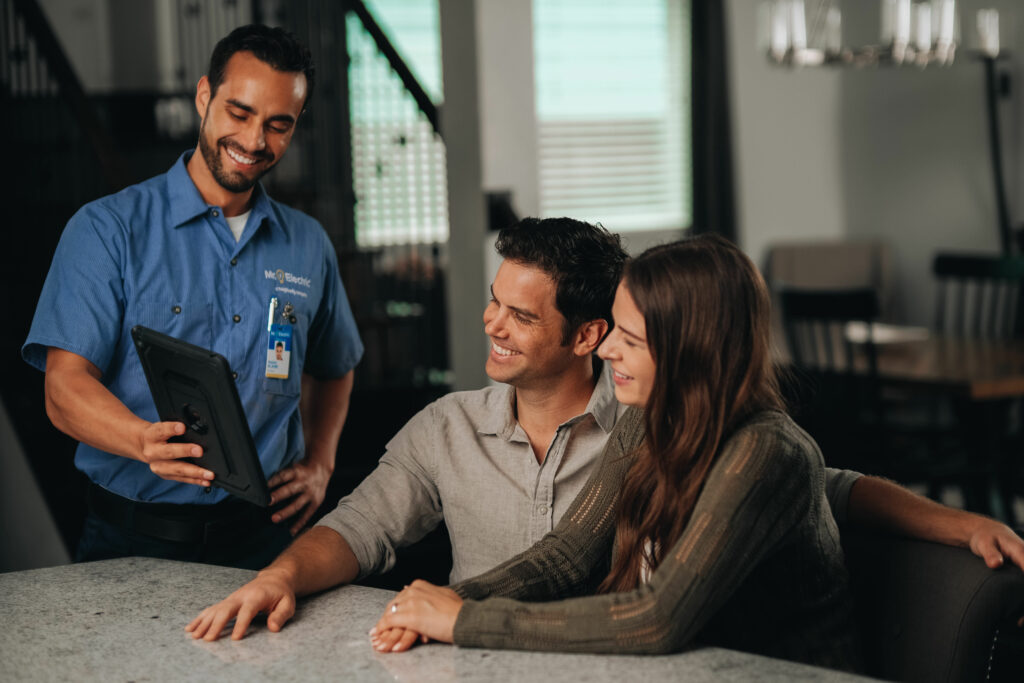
(501, 465)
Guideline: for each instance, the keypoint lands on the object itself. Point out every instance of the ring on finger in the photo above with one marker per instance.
(394, 608)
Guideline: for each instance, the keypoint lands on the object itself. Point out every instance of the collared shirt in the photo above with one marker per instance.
(155, 254)
(466, 460)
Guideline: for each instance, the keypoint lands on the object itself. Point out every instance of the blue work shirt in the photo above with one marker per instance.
(156, 254)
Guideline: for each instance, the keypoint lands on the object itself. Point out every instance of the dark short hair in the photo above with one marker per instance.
(584, 260)
(274, 46)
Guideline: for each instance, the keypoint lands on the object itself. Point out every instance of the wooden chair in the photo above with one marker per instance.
(834, 383)
(979, 295)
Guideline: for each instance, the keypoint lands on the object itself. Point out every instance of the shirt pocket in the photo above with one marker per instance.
(189, 321)
(292, 385)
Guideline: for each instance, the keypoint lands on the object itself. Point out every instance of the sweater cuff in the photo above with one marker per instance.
(475, 622)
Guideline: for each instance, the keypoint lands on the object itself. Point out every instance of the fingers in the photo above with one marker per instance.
(242, 621)
(407, 640)
(988, 550)
(290, 510)
(1013, 548)
(388, 640)
(281, 477)
(298, 526)
(181, 471)
(283, 611)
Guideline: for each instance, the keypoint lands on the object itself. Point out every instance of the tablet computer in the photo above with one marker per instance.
(193, 385)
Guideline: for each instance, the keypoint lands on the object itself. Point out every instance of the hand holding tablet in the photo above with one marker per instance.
(193, 385)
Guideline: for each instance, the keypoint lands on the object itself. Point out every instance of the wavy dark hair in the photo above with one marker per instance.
(271, 45)
(706, 310)
(584, 260)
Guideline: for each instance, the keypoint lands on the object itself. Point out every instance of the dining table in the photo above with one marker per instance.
(982, 378)
(123, 620)
(978, 370)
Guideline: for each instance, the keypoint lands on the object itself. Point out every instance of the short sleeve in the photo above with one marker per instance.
(838, 484)
(81, 307)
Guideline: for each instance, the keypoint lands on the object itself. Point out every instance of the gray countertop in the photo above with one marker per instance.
(123, 620)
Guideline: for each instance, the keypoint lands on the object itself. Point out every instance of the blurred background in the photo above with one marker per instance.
(835, 142)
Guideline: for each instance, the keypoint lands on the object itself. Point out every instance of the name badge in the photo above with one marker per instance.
(279, 351)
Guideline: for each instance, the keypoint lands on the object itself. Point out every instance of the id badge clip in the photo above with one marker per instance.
(279, 347)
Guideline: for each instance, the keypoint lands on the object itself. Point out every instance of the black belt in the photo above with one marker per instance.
(224, 522)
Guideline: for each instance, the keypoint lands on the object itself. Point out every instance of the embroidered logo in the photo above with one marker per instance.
(283, 276)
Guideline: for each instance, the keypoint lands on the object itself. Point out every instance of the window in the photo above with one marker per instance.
(613, 111)
(398, 163)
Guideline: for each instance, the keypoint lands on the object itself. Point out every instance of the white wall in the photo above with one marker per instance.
(893, 153)
(786, 143)
(916, 169)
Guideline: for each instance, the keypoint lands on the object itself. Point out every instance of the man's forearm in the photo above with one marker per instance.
(324, 409)
(80, 405)
(319, 559)
(882, 504)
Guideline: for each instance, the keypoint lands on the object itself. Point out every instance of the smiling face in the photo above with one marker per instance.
(525, 328)
(626, 349)
(247, 124)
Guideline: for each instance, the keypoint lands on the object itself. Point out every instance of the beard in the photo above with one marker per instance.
(232, 181)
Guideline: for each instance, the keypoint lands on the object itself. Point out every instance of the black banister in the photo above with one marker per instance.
(71, 90)
(397, 64)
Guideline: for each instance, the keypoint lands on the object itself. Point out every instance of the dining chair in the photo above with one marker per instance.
(979, 295)
(833, 385)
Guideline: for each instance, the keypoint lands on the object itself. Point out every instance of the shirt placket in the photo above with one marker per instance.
(543, 498)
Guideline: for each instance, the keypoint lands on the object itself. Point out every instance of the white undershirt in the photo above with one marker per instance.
(237, 223)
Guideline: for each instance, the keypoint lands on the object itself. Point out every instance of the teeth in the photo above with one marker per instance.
(620, 375)
(240, 158)
(503, 352)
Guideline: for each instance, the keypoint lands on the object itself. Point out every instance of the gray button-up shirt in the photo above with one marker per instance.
(465, 459)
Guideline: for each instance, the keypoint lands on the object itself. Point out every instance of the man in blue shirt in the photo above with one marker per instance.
(202, 253)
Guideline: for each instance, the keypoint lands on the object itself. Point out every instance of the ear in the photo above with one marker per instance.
(202, 96)
(589, 336)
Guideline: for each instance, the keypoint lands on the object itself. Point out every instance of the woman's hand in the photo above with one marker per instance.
(422, 611)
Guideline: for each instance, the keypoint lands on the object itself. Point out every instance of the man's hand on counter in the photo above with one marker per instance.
(270, 592)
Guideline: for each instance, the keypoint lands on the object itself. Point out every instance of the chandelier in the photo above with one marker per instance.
(799, 33)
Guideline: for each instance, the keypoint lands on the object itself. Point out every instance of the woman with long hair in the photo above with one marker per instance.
(707, 517)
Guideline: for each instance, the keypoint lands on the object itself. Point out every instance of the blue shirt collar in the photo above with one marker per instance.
(186, 204)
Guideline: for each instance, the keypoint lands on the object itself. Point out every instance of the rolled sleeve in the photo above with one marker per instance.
(397, 505)
(81, 306)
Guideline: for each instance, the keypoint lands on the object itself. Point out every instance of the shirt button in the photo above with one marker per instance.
(542, 509)
(215, 213)
(237, 318)
(234, 375)
(234, 262)
(176, 309)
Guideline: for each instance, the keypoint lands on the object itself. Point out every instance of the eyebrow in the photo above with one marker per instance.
(521, 311)
(245, 107)
(631, 334)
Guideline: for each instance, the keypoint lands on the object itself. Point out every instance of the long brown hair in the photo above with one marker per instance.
(706, 309)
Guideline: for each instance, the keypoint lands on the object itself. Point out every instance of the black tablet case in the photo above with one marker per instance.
(193, 385)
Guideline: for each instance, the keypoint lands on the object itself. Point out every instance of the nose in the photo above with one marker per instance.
(493, 320)
(608, 349)
(253, 137)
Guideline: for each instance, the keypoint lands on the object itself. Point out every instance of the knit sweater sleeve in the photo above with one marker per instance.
(564, 561)
(761, 486)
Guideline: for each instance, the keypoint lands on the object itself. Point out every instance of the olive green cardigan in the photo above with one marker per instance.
(758, 567)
